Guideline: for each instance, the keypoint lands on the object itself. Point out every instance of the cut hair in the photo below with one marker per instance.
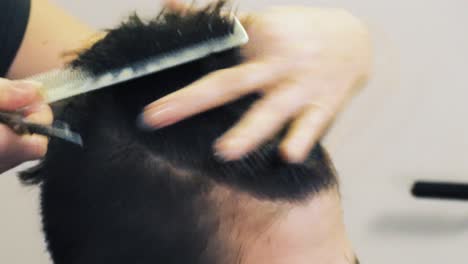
(134, 196)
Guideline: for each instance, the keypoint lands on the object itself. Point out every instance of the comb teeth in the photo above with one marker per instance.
(61, 84)
(68, 82)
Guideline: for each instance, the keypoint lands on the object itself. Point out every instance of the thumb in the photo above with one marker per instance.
(17, 94)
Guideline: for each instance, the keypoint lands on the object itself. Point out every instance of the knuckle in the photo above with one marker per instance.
(267, 118)
(280, 107)
(322, 111)
(286, 103)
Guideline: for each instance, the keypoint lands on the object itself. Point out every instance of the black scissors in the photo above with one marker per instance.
(15, 121)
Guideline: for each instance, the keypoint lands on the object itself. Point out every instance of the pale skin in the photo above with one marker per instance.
(305, 76)
(313, 232)
(260, 232)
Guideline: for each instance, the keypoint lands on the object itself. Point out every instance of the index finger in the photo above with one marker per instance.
(215, 89)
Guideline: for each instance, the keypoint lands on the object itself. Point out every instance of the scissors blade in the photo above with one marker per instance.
(61, 130)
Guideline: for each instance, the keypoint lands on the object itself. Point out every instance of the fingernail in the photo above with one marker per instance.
(17, 94)
(23, 89)
(219, 157)
(141, 124)
(230, 149)
(26, 85)
(33, 111)
(37, 107)
(291, 156)
(156, 118)
(36, 146)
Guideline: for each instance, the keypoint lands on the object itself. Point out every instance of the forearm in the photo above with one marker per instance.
(50, 33)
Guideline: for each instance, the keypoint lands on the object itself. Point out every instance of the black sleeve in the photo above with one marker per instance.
(14, 16)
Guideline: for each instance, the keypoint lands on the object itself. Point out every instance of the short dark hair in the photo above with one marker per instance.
(133, 196)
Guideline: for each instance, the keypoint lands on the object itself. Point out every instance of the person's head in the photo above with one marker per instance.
(135, 196)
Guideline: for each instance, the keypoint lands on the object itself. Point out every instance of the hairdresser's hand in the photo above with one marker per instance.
(305, 61)
(15, 149)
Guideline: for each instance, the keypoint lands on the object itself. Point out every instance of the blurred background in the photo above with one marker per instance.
(408, 124)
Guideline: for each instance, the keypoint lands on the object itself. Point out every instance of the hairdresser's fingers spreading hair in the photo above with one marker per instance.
(231, 84)
(308, 126)
(307, 63)
(264, 120)
(14, 149)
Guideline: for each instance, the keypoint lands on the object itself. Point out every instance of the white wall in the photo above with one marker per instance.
(409, 123)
